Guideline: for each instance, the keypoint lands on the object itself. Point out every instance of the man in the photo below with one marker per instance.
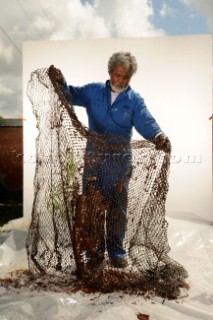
(114, 108)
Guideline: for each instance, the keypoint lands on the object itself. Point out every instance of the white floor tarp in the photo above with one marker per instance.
(191, 242)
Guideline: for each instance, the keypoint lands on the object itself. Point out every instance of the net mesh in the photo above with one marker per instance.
(97, 196)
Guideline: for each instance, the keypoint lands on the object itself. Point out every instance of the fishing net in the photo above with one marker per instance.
(95, 194)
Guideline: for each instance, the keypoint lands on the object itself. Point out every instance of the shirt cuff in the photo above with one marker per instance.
(158, 134)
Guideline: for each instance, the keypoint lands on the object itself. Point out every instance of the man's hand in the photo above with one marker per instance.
(162, 143)
(56, 75)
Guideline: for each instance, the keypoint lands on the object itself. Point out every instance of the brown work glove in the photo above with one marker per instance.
(59, 81)
(162, 143)
(56, 75)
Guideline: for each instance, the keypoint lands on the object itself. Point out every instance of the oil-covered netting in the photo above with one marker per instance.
(96, 196)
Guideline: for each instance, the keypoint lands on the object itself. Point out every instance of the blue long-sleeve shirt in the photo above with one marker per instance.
(127, 111)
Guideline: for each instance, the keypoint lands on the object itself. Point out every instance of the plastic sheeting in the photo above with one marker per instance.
(191, 243)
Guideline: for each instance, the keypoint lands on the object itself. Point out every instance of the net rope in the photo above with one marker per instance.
(73, 217)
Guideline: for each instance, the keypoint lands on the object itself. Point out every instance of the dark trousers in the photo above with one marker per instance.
(105, 185)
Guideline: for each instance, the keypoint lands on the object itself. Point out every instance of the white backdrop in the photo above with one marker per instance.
(175, 79)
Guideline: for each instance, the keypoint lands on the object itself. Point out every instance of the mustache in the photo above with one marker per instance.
(122, 86)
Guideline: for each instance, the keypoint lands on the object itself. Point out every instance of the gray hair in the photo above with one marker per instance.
(123, 58)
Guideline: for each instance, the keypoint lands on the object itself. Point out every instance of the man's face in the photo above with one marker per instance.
(120, 78)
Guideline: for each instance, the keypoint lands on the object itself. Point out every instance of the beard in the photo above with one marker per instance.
(117, 88)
